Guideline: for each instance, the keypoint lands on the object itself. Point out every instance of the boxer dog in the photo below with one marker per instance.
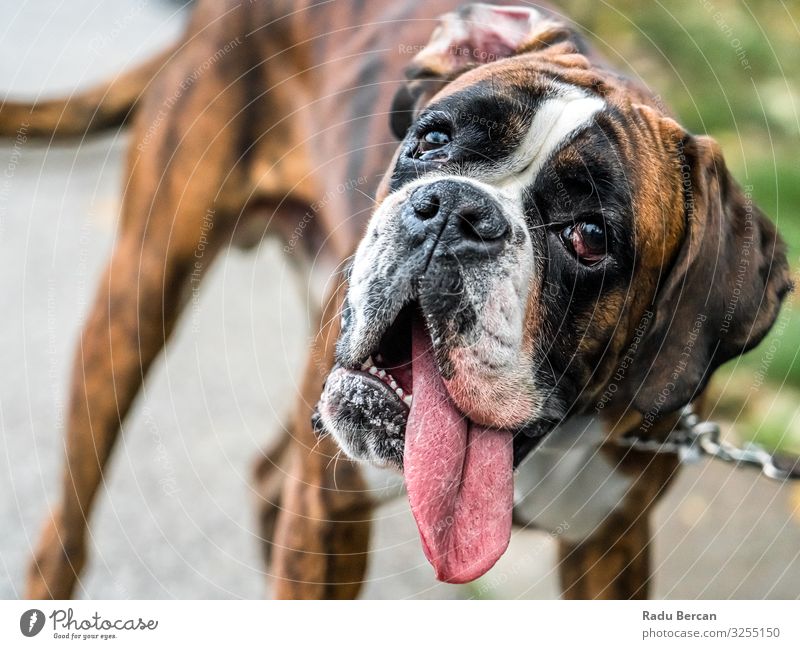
(550, 262)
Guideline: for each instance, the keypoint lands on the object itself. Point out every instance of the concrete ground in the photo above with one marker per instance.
(175, 516)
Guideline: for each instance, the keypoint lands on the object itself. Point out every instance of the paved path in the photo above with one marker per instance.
(175, 518)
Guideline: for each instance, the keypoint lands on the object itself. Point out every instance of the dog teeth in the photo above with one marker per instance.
(370, 366)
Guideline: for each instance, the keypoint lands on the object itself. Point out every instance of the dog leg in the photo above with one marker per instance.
(614, 564)
(322, 531)
(185, 188)
(167, 239)
(134, 311)
(269, 475)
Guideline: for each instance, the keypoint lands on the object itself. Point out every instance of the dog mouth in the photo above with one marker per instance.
(391, 362)
(458, 474)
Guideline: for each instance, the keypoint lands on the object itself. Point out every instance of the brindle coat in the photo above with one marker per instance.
(284, 114)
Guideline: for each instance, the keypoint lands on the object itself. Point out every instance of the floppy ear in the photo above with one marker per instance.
(466, 38)
(723, 292)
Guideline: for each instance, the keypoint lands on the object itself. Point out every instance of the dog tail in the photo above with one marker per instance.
(107, 105)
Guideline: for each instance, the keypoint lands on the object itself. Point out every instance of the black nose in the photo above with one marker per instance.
(464, 218)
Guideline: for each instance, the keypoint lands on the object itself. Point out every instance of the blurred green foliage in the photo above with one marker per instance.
(730, 69)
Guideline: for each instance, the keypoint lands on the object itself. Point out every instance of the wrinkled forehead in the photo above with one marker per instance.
(535, 74)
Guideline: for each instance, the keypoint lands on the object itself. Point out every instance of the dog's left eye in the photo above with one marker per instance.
(431, 144)
(586, 240)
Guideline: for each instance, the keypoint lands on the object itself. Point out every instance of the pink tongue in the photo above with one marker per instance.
(459, 476)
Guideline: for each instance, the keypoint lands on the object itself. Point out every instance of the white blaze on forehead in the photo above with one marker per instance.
(555, 122)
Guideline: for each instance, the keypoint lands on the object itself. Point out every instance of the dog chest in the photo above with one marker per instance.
(567, 486)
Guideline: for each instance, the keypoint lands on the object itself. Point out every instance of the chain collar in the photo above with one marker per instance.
(692, 438)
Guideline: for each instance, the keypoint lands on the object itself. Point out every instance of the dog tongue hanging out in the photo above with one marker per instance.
(458, 476)
(458, 473)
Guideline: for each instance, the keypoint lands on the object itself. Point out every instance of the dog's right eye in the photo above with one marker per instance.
(431, 145)
(587, 241)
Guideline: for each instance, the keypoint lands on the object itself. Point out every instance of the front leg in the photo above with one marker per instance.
(613, 564)
(322, 535)
(614, 561)
(322, 531)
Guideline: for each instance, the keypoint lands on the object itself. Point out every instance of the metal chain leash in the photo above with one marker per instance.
(692, 438)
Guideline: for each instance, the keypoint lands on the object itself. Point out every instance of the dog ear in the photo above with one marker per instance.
(408, 101)
(723, 291)
(464, 39)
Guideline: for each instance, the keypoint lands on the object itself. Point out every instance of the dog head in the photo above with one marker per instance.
(545, 231)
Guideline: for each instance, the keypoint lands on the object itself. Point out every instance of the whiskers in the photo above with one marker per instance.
(321, 435)
(363, 193)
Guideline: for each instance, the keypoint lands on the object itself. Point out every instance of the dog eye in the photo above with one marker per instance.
(434, 140)
(431, 144)
(586, 240)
